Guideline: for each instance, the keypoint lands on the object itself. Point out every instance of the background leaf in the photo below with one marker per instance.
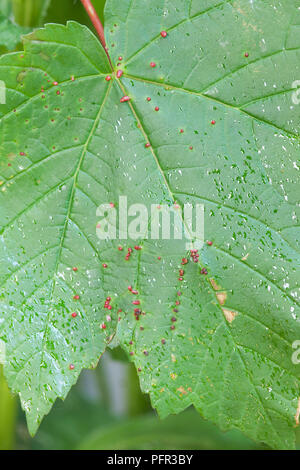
(186, 431)
(72, 146)
(10, 34)
(5, 7)
(30, 13)
(61, 12)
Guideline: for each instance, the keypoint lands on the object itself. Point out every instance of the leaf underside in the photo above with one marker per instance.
(67, 148)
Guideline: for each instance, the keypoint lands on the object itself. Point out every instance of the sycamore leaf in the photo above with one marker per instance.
(222, 124)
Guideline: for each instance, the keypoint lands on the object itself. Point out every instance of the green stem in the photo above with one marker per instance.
(95, 20)
(97, 24)
(8, 408)
(30, 13)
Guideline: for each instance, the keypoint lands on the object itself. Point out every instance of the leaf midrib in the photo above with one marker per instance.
(37, 95)
(168, 86)
(147, 139)
(69, 210)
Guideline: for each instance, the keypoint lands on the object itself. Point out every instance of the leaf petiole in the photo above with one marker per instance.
(97, 24)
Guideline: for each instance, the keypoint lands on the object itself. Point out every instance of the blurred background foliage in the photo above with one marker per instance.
(106, 409)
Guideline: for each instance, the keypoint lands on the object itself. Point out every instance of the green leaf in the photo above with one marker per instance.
(7, 415)
(5, 7)
(61, 12)
(186, 431)
(30, 13)
(69, 423)
(230, 354)
(10, 33)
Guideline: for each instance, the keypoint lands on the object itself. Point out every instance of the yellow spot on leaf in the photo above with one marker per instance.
(297, 415)
(182, 391)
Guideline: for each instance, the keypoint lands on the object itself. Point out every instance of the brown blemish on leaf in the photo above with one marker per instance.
(297, 415)
(221, 295)
(173, 376)
(173, 358)
(229, 314)
(245, 257)
(182, 391)
(214, 284)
